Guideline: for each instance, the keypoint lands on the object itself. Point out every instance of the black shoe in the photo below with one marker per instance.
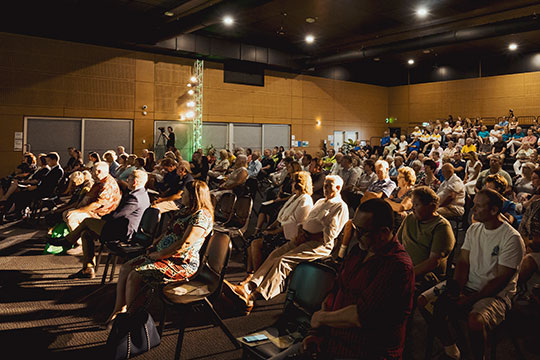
(88, 273)
(60, 241)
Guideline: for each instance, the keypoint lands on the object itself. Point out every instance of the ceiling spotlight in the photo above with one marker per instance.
(168, 13)
(422, 12)
(190, 114)
(410, 61)
(193, 79)
(189, 85)
(512, 46)
(190, 104)
(376, 59)
(227, 20)
(191, 92)
(426, 51)
(311, 20)
(310, 39)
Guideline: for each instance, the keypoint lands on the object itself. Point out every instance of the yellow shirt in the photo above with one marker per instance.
(468, 148)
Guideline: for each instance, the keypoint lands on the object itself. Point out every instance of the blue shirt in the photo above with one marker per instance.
(483, 134)
(519, 135)
(253, 168)
(385, 186)
(385, 141)
(503, 123)
(414, 146)
(506, 137)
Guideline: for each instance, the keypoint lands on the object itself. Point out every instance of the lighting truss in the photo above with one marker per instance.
(198, 68)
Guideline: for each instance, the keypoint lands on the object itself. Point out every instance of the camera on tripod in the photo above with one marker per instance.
(162, 129)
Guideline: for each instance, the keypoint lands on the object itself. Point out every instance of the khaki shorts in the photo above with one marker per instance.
(492, 309)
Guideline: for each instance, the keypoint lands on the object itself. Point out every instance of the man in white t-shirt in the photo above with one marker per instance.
(485, 277)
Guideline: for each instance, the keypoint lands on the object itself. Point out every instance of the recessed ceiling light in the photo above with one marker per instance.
(168, 13)
(376, 59)
(427, 51)
(227, 20)
(311, 20)
(193, 79)
(512, 46)
(422, 12)
(190, 104)
(191, 92)
(310, 39)
(410, 61)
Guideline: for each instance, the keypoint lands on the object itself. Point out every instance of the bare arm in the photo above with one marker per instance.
(430, 264)
(346, 317)
(461, 275)
(494, 286)
(191, 234)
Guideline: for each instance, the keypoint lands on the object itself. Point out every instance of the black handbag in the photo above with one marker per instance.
(132, 335)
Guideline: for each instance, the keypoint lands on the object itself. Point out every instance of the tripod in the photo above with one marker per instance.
(161, 145)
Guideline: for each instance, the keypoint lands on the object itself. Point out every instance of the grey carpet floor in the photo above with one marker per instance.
(43, 314)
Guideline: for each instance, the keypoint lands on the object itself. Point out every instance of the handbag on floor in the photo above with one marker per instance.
(132, 335)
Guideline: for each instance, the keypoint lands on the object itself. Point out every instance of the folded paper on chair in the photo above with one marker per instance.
(189, 289)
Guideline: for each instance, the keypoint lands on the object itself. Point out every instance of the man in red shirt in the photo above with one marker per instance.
(365, 315)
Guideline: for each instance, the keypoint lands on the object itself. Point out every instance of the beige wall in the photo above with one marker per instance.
(484, 97)
(40, 77)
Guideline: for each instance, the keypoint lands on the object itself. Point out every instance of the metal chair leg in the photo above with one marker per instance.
(222, 325)
(115, 260)
(98, 258)
(162, 321)
(104, 277)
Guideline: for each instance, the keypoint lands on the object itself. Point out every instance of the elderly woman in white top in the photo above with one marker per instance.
(315, 239)
(221, 166)
(285, 228)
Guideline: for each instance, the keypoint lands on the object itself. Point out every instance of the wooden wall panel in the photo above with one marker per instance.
(43, 77)
(490, 96)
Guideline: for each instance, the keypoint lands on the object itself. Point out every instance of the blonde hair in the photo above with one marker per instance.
(408, 174)
(77, 178)
(199, 196)
(303, 182)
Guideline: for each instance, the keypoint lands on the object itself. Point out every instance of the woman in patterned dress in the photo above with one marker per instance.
(173, 256)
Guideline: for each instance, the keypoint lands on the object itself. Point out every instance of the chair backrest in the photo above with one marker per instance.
(224, 207)
(147, 227)
(241, 213)
(309, 285)
(214, 262)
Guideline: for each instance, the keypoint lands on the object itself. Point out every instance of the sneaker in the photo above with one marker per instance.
(88, 273)
(75, 250)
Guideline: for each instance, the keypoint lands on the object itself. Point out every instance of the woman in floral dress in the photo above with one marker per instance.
(174, 256)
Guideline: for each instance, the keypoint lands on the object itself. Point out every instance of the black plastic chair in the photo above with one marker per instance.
(224, 208)
(239, 221)
(199, 292)
(310, 283)
(136, 246)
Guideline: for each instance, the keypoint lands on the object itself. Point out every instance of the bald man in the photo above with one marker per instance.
(451, 194)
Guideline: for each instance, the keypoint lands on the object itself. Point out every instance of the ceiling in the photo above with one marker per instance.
(343, 29)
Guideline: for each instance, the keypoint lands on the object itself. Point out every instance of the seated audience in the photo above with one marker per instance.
(171, 200)
(400, 199)
(317, 178)
(365, 315)
(270, 209)
(110, 158)
(459, 165)
(254, 166)
(235, 180)
(498, 183)
(173, 256)
(199, 166)
(20, 184)
(523, 186)
(484, 280)
(221, 166)
(516, 140)
(150, 162)
(383, 187)
(523, 155)
(315, 239)
(495, 167)
(472, 171)
(46, 187)
(535, 180)
(121, 224)
(426, 236)
(285, 228)
(102, 199)
(451, 194)
(428, 177)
